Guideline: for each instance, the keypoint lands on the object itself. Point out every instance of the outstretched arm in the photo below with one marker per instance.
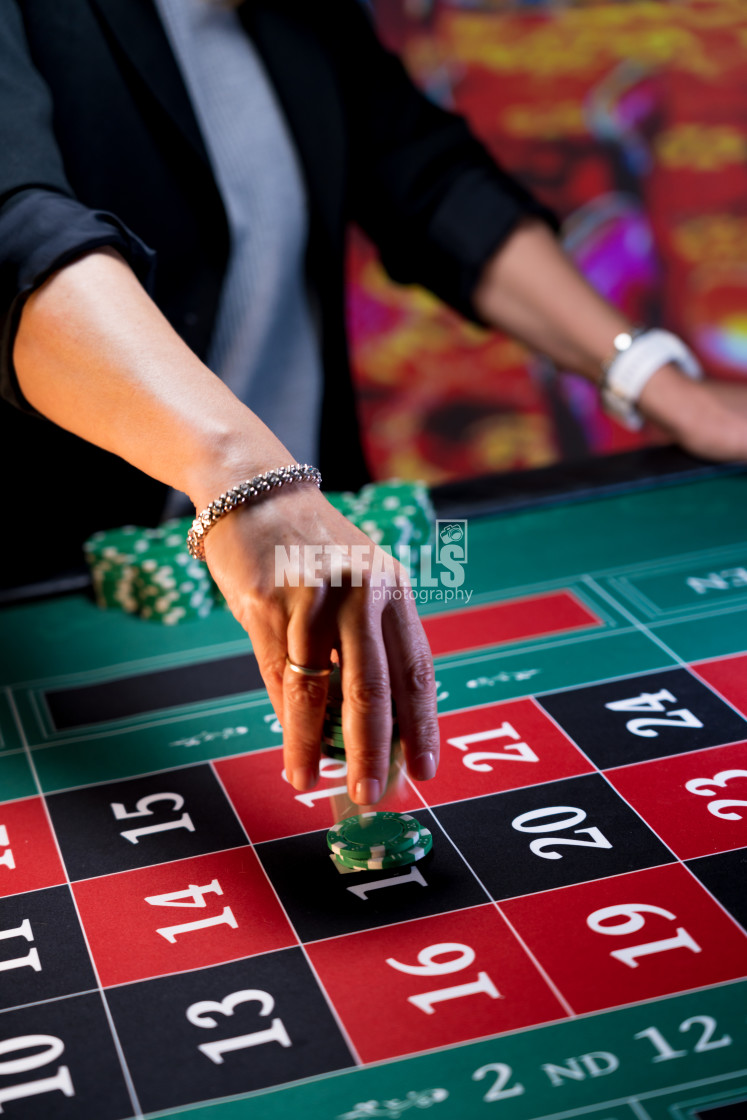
(95, 355)
(531, 289)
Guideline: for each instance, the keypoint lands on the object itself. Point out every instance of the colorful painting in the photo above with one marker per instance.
(629, 118)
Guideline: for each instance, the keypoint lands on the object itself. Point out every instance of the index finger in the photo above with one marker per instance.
(413, 686)
(366, 703)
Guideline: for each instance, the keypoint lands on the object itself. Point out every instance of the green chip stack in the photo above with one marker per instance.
(333, 744)
(171, 587)
(394, 514)
(379, 841)
(111, 557)
(149, 572)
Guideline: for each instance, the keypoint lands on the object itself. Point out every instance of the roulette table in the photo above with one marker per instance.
(175, 940)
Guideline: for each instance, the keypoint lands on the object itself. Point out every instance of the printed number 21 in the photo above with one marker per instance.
(653, 702)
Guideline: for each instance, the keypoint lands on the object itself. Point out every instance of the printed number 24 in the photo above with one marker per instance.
(653, 702)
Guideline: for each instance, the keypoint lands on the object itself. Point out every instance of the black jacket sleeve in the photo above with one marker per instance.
(42, 226)
(422, 186)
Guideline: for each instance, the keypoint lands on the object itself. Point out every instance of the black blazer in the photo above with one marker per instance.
(99, 145)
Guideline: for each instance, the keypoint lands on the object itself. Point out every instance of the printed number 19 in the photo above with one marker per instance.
(632, 913)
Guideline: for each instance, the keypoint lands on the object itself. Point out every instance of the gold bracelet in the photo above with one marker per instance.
(244, 492)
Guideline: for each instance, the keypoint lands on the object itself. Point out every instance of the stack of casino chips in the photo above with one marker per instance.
(171, 587)
(333, 744)
(149, 572)
(379, 841)
(393, 514)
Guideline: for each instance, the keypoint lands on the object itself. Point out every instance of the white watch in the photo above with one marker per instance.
(639, 354)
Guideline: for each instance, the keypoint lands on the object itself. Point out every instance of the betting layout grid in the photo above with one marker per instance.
(226, 966)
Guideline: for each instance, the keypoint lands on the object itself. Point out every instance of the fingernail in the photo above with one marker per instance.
(367, 791)
(425, 766)
(303, 778)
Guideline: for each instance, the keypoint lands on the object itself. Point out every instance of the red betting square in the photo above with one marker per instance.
(225, 899)
(29, 858)
(499, 747)
(729, 677)
(696, 803)
(270, 808)
(432, 982)
(510, 621)
(630, 937)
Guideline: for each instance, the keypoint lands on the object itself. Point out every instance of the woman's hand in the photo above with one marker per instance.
(707, 418)
(95, 355)
(353, 600)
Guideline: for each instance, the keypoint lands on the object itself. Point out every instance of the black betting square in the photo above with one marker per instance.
(260, 1021)
(643, 717)
(733, 1110)
(126, 697)
(73, 1048)
(42, 950)
(143, 821)
(322, 901)
(725, 876)
(551, 835)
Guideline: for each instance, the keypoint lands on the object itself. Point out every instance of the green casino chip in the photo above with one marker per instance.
(374, 835)
(331, 750)
(388, 862)
(334, 741)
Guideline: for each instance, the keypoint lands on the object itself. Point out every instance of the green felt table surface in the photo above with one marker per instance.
(663, 569)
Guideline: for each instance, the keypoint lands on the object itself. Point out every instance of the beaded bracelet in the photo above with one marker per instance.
(244, 492)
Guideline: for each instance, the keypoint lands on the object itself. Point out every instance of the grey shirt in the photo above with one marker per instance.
(265, 346)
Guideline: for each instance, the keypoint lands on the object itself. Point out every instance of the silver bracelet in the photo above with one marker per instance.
(245, 492)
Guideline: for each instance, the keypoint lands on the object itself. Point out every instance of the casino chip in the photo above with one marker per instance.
(332, 741)
(379, 841)
(149, 572)
(395, 514)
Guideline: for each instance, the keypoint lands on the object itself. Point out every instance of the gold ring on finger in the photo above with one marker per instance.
(304, 671)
